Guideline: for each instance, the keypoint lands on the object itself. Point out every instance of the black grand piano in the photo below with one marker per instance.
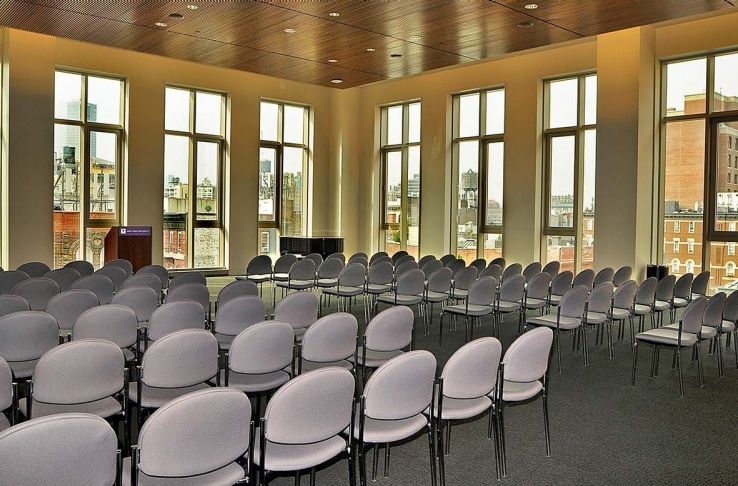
(302, 245)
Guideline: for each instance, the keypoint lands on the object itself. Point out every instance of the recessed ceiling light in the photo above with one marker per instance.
(370, 49)
(161, 24)
(396, 56)
(334, 14)
(337, 81)
(176, 16)
(290, 31)
(197, 32)
(192, 7)
(525, 24)
(332, 60)
(531, 6)
(416, 37)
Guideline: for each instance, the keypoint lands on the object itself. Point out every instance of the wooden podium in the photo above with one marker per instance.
(132, 243)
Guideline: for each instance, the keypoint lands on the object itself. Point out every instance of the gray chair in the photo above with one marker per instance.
(331, 341)
(67, 307)
(585, 277)
(197, 438)
(37, 291)
(426, 259)
(682, 293)
(711, 321)
(362, 261)
(524, 376)
(431, 266)
(281, 271)
(188, 278)
(499, 261)
(513, 269)
(235, 316)
(462, 281)
(12, 303)
(191, 291)
(237, 288)
(604, 275)
(116, 275)
(64, 277)
(157, 270)
(408, 291)
(24, 338)
(342, 257)
(382, 259)
(687, 334)
(379, 254)
(621, 308)
(492, 270)
(622, 275)
(150, 280)
(531, 270)
(510, 298)
(437, 290)
(599, 304)
(552, 268)
(448, 258)
(393, 404)
(173, 317)
(729, 323)
(299, 310)
(560, 285)
(140, 298)
(479, 303)
(397, 255)
(300, 277)
(480, 264)
(321, 402)
(664, 298)
(378, 282)
(317, 259)
(645, 301)
(360, 254)
(123, 264)
(699, 284)
(34, 269)
(456, 265)
(258, 271)
(328, 272)
(349, 284)
(403, 259)
(536, 293)
(116, 323)
(84, 267)
(569, 317)
(404, 267)
(11, 278)
(72, 449)
(8, 396)
(100, 285)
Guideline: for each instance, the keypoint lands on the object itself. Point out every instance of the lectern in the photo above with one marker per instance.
(132, 243)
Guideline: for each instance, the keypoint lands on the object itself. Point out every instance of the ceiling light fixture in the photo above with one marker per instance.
(161, 24)
(416, 37)
(334, 14)
(290, 31)
(531, 6)
(395, 56)
(370, 49)
(192, 7)
(176, 16)
(525, 24)
(332, 60)
(337, 81)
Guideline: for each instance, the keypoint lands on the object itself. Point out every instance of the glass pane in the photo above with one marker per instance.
(413, 201)
(726, 82)
(207, 248)
(469, 115)
(495, 178)
(177, 110)
(103, 175)
(392, 181)
(466, 218)
(268, 243)
(267, 184)
(67, 180)
(176, 207)
(495, 112)
(269, 121)
(294, 124)
(414, 123)
(209, 113)
(95, 251)
(391, 241)
(563, 103)
(292, 192)
(561, 249)
(492, 247)
(561, 204)
(727, 176)
(588, 204)
(590, 100)
(394, 125)
(208, 169)
(103, 100)
(685, 87)
(723, 261)
(68, 96)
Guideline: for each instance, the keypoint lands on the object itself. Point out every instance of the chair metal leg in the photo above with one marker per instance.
(447, 445)
(375, 460)
(700, 371)
(312, 476)
(558, 358)
(679, 367)
(503, 451)
(432, 454)
(351, 468)
(297, 478)
(635, 362)
(586, 350)
(362, 463)
(386, 460)
(545, 422)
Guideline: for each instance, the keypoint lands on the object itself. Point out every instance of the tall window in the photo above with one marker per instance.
(400, 140)
(478, 176)
(570, 135)
(194, 144)
(88, 141)
(283, 167)
(699, 119)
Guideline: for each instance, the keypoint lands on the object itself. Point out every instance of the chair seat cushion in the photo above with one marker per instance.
(534, 303)
(386, 431)
(474, 310)
(296, 284)
(458, 409)
(255, 383)
(554, 299)
(401, 299)
(225, 476)
(374, 359)
(22, 369)
(255, 278)
(661, 306)
(459, 294)
(432, 296)
(620, 314)
(327, 282)
(549, 320)
(705, 333)
(667, 336)
(596, 318)
(314, 365)
(293, 457)
(107, 407)
(344, 291)
(728, 326)
(505, 306)
(641, 310)
(377, 288)
(513, 391)
(280, 277)
(156, 397)
(679, 302)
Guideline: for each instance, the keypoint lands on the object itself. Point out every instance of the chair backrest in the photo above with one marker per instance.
(624, 295)
(187, 278)
(397, 255)
(440, 280)
(480, 264)
(390, 330)
(513, 269)
(431, 266)
(378, 254)
(34, 269)
(512, 288)
(699, 284)
(482, 291)
(538, 286)
(37, 291)
(361, 254)
(360, 260)
(381, 259)
(402, 387)
(10, 279)
(12, 303)
(552, 268)
(404, 267)
(237, 288)
(100, 285)
(561, 283)
(299, 309)
(6, 385)
(471, 372)
(600, 298)
(284, 263)
(456, 265)
(412, 282)
(25, 336)
(116, 323)
(404, 259)
(380, 273)
(84, 267)
(145, 279)
(79, 372)
(303, 270)
(713, 316)
(159, 271)
(665, 288)
(330, 268)
(526, 359)
(465, 277)
(176, 316)
(693, 314)
(531, 270)
(331, 338)
(341, 256)
(121, 263)
(237, 314)
(67, 306)
(493, 270)
(190, 291)
(730, 311)
(182, 358)
(263, 348)
(141, 299)
(585, 277)
(116, 274)
(321, 401)
(196, 433)
(64, 277)
(604, 275)
(646, 292)
(499, 261)
(448, 258)
(70, 448)
(426, 259)
(621, 275)
(573, 302)
(683, 286)
(317, 258)
(353, 275)
(259, 265)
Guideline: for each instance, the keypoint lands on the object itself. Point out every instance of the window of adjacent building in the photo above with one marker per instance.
(676, 245)
(400, 176)
(690, 266)
(478, 175)
(677, 226)
(730, 269)
(690, 245)
(194, 148)
(731, 248)
(690, 227)
(675, 265)
(570, 134)
(284, 158)
(88, 146)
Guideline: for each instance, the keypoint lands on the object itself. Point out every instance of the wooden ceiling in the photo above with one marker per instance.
(250, 35)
